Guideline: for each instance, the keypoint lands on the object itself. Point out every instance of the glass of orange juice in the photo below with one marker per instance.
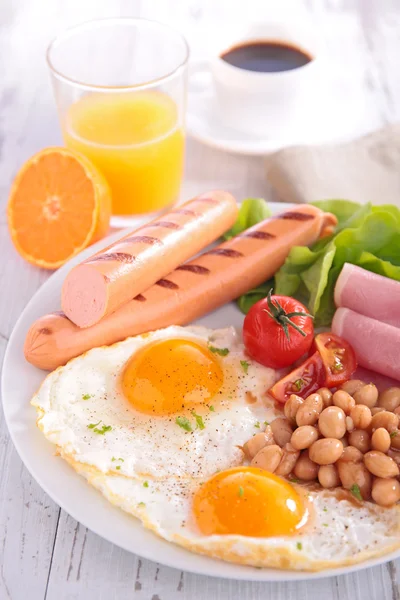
(120, 86)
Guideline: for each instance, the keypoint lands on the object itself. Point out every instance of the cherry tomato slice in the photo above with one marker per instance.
(337, 356)
(303, 381)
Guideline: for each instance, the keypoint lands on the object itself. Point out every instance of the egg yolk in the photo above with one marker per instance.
(247, 501)
(168, 376)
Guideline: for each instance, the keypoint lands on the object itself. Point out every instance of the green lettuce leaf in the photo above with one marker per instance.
(251, 212)
(368, 236)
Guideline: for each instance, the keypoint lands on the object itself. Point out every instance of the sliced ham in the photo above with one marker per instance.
(368, 294)
(376, 344)
(382, 382)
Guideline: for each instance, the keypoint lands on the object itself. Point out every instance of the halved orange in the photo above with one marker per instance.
(59, 204)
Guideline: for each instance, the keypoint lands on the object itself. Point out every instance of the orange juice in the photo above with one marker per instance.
(136, 142)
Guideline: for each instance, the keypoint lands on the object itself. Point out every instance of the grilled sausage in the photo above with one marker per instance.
(193, 289)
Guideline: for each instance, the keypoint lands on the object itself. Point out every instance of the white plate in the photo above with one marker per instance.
(19, 382)
(339, 116)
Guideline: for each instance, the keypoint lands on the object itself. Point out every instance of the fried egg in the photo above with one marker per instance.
(263, 521)
(176, 402)
(157, 424)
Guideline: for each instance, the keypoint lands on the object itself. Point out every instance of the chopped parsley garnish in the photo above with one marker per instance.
(199, 420)
(240, 491)
(355, 490)
(211, 408)
(298, 384)
(87, 396)
(245, 365)
(146, 484)
(299, 546)
(257, 424)
(184, 423)
(266, 423)
(118, 467)
(338, 366)
(101, 431)
(325, 509)
(294, 480)
(393, 434)
(141, 504)
(220, 351)
(325, 524)
(114, 459)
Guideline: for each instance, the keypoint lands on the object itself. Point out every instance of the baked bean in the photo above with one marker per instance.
(397, 411)
(351, 454)
(385, 419)
(352, 385)
(386, 492)
(390, 398)
(282, 430)
(258, 441)
(326, 396)
(361, 416)
(395, 439)
(303, 437)
(355, 473)
(288, 461)
(326, 451)
(380, 440)
(332, 422)
(305, 468)
(395, 455)
(349, 424)
(344, 441)
(291, 407)
(367, 395)
(268, 458)
(375, 410)
(309, 412)
(361, 439)
(328, 476)
(344, 401)
(380, 464)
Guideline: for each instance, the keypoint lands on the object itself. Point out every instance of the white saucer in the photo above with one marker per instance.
(339, 116)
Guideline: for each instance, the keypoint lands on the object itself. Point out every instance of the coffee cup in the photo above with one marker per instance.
(267, 77)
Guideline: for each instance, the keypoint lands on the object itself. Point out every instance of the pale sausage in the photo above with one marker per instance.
(107, 280)
(193, 289)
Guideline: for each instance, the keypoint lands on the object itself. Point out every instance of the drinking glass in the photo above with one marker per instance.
(120, 86)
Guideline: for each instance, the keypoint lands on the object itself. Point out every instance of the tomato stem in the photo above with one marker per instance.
(277, 312)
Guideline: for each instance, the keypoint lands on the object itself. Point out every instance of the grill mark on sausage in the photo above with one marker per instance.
(258, 235)
(296, 216)
(228, 252)
(166, 283)
(140, 298)
(60, 313)
(198, 269)
(166, 224)
(144, 239)
(45, 331)
(122, 257)
(184, 211)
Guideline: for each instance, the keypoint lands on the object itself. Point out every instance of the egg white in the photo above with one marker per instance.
(87, 391)
(339, 532)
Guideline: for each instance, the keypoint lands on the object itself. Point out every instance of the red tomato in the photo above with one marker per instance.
(277, 331)
(303, 381)
(338, 357)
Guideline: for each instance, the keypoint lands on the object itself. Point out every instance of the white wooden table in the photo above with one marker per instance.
(44, 553)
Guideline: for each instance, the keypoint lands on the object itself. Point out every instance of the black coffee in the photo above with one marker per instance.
(266, 57)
